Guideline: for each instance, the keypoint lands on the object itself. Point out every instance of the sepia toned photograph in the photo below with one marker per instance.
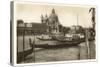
(53, 33)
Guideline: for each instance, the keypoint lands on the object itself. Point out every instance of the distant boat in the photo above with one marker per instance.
(45, 39)
(67, 39)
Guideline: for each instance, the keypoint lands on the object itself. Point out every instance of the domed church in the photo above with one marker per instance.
(52, 22)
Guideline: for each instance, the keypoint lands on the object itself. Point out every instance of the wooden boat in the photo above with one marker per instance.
(58, 44)
(64, 39)
(58, 41)
(45, 39)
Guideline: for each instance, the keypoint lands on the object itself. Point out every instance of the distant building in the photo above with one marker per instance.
(49, 24)
(31, 28)
(39, 28)
(75, 32)
(76, 29)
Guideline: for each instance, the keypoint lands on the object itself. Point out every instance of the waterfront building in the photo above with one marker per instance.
(49, 24)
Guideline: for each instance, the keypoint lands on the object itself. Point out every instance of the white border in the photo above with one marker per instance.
(15, 38)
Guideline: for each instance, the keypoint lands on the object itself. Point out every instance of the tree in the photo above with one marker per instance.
(92, 10)
(66, 30)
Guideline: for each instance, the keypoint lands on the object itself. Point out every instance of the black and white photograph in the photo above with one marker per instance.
(54, 32)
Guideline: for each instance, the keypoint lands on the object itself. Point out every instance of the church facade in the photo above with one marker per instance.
(52, 22)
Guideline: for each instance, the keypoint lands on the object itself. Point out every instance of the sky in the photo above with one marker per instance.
(68, 15)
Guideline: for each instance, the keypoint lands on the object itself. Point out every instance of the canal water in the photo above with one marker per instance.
(78, 52)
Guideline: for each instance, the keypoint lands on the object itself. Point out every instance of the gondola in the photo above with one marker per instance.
(58, 44)
(64, 39)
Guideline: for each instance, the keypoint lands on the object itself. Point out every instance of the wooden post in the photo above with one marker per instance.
(30, 43)
(24, 43)
(17, 42)
(79, 52)
(87, 44)
(34, 47)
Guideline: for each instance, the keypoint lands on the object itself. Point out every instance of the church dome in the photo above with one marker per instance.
(53, 16)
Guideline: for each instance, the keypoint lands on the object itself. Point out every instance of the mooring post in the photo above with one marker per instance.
(34, 47)
(87, 44)
(30, 43)
(79, 47)
(23, 44)
(17, 42)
